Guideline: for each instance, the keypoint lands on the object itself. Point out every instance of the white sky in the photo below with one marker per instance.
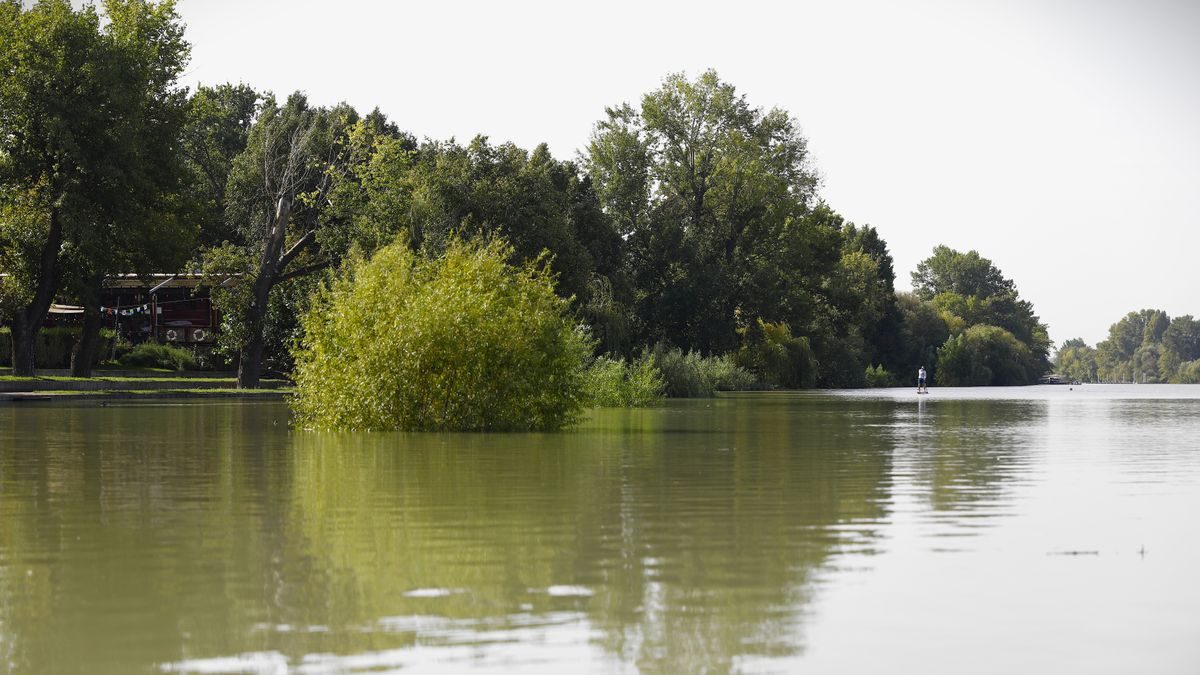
(1060, 139)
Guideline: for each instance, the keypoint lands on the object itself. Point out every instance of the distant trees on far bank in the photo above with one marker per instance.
(1146, 346)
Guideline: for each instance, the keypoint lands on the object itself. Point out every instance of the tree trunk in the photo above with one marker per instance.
(27, 322)
(250, 366)
(84, 353)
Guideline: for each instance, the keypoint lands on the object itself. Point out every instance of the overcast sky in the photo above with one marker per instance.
(1060, 139)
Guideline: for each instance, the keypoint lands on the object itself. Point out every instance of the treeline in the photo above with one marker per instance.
(690, 224)
(1147, 346)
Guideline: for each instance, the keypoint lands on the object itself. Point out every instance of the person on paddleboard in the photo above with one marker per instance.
(921, 388)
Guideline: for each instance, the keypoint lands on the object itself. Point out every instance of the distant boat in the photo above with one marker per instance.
(1057, 379)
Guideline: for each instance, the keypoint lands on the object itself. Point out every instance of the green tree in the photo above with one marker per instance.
(1076, 360)
(463, 341)
(985, 355)
(217, 129)
(710, 196)
(90, 117)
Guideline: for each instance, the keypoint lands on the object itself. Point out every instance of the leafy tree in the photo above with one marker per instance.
(1077, 361)
(709, 194)
(89, 121)
(1183, 337)
(985, 355)
(463, 341)
(967, 291)
(218, 126)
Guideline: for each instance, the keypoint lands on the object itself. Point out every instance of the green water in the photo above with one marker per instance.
(1037, 529)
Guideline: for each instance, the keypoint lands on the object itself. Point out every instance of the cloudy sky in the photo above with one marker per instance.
(1060, 139)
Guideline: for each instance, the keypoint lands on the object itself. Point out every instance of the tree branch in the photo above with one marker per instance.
(301, 271)
(301, 244)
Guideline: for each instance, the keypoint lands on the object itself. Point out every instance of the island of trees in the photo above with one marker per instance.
(687, 242)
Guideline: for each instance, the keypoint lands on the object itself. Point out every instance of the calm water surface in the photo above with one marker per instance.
(1041, 530)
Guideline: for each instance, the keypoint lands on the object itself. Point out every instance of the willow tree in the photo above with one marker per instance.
(89, 118)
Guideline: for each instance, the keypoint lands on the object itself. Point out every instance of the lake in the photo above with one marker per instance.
(1034, 529)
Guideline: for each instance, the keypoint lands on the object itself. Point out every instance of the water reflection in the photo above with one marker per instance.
(699, 537)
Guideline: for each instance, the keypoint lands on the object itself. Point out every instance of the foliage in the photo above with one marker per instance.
(155, 355)
(1075, 360)
(53, 346)
(985, 317)
(617, 383)
(218, 126)
(1148, 346)
(90, 116)
(690, 375)
(463, 341)
(778, 359)
(984, 355)
(878, 377)
(711, 197)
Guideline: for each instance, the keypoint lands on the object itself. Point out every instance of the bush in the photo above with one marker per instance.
(693, 376)
(616, 383)
(878, 377)
(155, 355)
(54, 345)
(463, 341)
(770, 351)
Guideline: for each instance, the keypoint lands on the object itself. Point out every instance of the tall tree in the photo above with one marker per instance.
(218, 126)
(276, 189)
(89, 121)
(701, 185)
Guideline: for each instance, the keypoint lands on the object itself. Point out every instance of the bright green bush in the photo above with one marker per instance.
(463, 341)
(690, 375)
(616, 383)
(155, 355)
(54, 345)
(878, 377)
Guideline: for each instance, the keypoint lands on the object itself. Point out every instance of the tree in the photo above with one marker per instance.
(1076, 360)
(985, 355)
(89, 120)
(703, 188)
(276, 188)
(968, 291)
(218, 127)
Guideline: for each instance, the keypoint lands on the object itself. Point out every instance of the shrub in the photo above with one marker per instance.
(463, 341)
(690, 375)
(779, 359)
(155, 355)
(986, 355)
(879, 377)
(616, 383)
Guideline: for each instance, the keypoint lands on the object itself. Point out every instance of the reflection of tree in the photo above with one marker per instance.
(967, 452)
(683, 537)
(699, 538)
(111, 517)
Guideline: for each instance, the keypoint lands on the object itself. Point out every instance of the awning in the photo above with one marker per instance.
(65, 309)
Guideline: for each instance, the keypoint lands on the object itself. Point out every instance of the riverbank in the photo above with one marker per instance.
(131, 384)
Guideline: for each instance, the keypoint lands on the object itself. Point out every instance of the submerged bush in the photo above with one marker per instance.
(155, 355)
(616, 383)
(463, 341)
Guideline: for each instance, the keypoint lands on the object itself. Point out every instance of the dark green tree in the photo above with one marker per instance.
(90, 117)
(702, 186)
